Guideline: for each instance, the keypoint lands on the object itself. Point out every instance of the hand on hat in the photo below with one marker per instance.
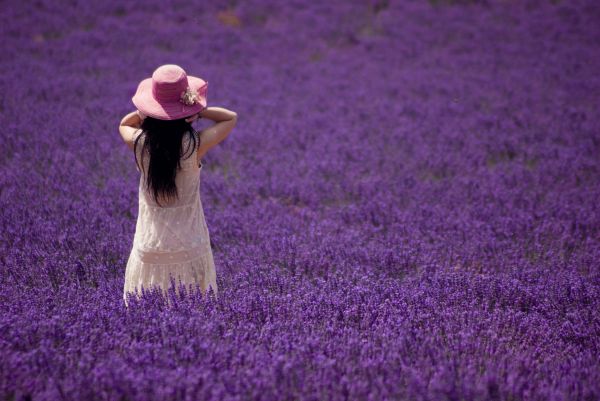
(141, 115)
(193, 118)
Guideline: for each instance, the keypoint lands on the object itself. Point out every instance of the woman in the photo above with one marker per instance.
(171, 243)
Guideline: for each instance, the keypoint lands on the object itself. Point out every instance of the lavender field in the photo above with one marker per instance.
(407, 209)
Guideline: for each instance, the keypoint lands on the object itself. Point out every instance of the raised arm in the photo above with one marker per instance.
(225, 122)
(128, 126)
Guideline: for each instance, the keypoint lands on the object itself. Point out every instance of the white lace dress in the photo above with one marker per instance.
(171, 240)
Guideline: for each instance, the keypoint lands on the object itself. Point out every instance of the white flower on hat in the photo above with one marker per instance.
(189, 97)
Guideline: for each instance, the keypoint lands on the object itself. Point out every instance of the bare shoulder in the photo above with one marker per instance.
(129, 134)
(215, 134)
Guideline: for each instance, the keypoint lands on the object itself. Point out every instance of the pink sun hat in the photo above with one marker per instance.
(170, 94)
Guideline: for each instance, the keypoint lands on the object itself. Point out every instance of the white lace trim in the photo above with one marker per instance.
(199, 271)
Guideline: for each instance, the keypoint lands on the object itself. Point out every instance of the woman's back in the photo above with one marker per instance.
(187, 178)
(171, 237)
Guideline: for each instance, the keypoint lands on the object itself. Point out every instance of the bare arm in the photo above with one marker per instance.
(225, 121)
(128, 126)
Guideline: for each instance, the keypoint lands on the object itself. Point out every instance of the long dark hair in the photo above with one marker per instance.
(164, 142)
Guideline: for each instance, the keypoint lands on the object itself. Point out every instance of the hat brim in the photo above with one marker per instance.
(147, 104)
